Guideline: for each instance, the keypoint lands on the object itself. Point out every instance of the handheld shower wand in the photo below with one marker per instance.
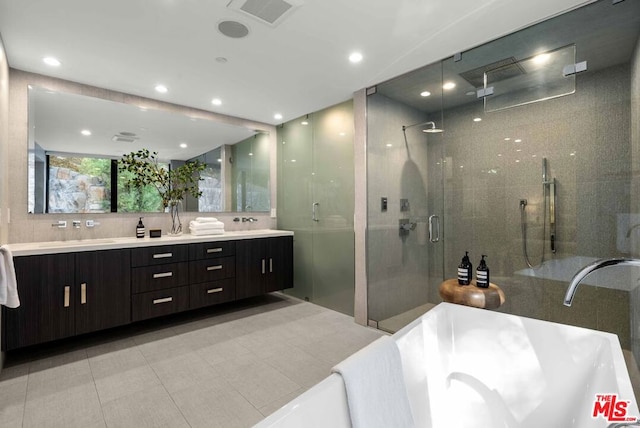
(548, 191)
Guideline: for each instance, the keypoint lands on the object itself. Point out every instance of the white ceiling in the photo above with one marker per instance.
(295, 68)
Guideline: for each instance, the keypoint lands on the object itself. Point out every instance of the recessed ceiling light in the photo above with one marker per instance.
(342, 134)
(507, 139)
(183, 145)
(518, 140)
(85, 132)
(277, 116)
(542, 58)
(389, 145)
(162, 89)
(53, 62)
(448, 85)
(477, 119)
(425, 93)
(355, 57)
(293, 160)
(216, 101)
(304, 122)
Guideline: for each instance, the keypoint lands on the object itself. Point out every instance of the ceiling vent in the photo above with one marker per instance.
(500, 70)
(270, 12)
(125, 137)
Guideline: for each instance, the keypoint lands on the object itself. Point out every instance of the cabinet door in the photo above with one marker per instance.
(280, 264)
(102, 290)
(46, 312)
(251, 266)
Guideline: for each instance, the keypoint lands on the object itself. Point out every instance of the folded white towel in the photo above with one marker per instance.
(203, 219)
(376, 392)
(198, 232)
(8, 282)
(206, 225)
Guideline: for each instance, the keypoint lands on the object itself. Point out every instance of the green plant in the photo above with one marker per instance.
(172, 184)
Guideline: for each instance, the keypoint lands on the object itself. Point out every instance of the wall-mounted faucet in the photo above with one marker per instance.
(598, 264)
(249, 219)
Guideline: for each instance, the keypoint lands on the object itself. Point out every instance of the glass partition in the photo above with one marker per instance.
(542, 188)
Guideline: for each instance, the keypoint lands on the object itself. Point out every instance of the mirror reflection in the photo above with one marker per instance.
(75, 142)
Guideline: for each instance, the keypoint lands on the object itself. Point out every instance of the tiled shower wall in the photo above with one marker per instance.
(586, 140)
(635, 188)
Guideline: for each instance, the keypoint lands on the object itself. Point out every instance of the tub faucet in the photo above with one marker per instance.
(598, 264)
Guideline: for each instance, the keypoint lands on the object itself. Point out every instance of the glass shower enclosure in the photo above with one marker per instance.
(315, 200)
(564, 93)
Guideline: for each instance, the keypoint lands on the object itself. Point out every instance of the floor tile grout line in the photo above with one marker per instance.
(96, 389)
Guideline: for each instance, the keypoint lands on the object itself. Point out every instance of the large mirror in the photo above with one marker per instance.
(75, 142)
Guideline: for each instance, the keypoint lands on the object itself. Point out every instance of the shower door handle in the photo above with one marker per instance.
(434, 226)
(314, 215)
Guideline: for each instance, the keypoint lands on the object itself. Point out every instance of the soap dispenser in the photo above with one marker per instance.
(465, 270)
(482, 274)
(140, 229)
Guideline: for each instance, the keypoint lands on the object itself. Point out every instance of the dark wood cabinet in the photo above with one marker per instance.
(68, 294)
(102, 290)
(62, 295)
(263, 265)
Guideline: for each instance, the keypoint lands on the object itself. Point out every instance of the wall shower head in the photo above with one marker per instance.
(431, 130)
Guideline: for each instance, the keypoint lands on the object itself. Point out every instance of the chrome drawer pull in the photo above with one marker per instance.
(67, 292)
(164, 300)
(83, 293)
(263, 266)
(217, 267)
(162, 275)
(270, 265)
(162, 255)
(214, 290)
(214, 250)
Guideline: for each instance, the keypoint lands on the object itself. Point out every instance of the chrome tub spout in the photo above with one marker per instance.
(598, 264)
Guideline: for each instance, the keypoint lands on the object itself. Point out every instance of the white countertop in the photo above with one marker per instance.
(55, 247)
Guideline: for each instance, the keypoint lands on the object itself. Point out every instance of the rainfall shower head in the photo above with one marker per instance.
(431, 130)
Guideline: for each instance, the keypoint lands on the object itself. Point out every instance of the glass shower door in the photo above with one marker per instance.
(405, 168)
(315, 199)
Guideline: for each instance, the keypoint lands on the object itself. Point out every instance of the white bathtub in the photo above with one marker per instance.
(467, 367)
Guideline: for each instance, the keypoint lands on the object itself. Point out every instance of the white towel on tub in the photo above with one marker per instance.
(8, 283)
(376, 392)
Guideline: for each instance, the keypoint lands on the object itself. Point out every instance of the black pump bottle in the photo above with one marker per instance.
(465, 270)
(140, 229)
(482, 274)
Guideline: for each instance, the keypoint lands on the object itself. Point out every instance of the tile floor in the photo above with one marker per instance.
(228, 366)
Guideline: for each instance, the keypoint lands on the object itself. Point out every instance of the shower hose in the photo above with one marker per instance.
(523, 227)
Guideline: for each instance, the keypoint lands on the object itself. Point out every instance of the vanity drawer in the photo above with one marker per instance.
(157, 303)
(211, 293)
(149, 256)
(209, 250)
(212, 270)
(151, 278)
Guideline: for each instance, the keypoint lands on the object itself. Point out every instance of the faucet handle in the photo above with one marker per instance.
(91, 223)
(76, 224)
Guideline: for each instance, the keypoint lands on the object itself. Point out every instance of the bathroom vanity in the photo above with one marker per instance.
(76, 287)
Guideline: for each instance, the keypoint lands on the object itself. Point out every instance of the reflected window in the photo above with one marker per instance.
(78, 184)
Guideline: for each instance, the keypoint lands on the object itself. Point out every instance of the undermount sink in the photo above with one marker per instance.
(75, 243)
